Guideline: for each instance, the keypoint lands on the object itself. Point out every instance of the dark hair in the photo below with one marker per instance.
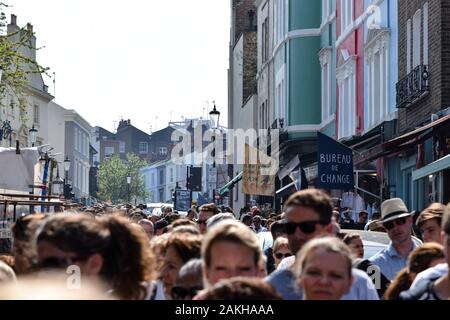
(419, 260)
(127, 258)
(446, 220)
(276, 226)
(348, 238)
(161, 224)
(210, 207)
(315, 199)
(24, 250)
(240, 288)
(186, 245)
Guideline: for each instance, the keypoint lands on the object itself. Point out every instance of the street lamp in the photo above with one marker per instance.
(214, 116)
(66, 171)
(128, 183)
(33, 135)
(58, 182)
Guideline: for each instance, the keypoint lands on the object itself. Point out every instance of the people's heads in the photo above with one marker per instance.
(429, 223)
(99, 248)
(24, 248)
(355, 243)
(206, 212)
(157, 246)
(426, 256)
(238, 289)
(257, 221)
(307, 216)
(230, 249)
(396, 220)
(189, 281)
(147, 225)
(324, 269)
(336, 216)
(179, 249)
(191, 215)
(247, 219)
(446, 230)
(363, 217)
(280, 250)
(161, 227)
(6, 273)
(277, 230)
(218, 218)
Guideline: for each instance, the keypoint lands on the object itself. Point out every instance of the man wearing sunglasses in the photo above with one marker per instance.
(206, 212)
(397, 222)
(308, 216)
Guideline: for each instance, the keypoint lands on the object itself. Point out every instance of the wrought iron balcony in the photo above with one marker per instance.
(413, 86)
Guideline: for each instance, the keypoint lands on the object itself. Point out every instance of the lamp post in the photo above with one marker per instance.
(66, 170)
(214, 116)
(128, 183)
(33, 135)
(58, 182)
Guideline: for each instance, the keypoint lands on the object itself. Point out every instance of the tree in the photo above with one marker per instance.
(17, 67)
(112, 179)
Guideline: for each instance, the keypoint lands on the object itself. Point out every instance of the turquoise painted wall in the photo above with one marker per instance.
(304, 81)
(304, 14)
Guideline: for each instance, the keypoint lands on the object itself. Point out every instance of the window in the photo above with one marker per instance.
(325, 62)
(425, 33)
(408, 46)
(416, 38)
(109, 151)
(346, 14)
(377, 55)
(122, 147)
(161, 177)
(280, 100)
(171, 174)
(265, 41)
(325, 10)
(279, 21)
(36, 114)
(143, 147)
(347, 98)
(163, 151)
(152, 179)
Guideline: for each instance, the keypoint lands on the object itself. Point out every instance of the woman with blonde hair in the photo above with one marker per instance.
(324, 269)
(280, 250)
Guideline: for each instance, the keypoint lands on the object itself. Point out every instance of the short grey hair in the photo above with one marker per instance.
(192, 267)
(218, 218)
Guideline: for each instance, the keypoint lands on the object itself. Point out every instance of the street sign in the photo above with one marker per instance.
(335, 164)
(183, 200)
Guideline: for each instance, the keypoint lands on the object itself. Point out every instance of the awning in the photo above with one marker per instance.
(414, 134)
(286, 190)
(437, 166)
(230, 185)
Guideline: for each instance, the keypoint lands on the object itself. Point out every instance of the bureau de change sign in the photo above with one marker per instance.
(334, 164)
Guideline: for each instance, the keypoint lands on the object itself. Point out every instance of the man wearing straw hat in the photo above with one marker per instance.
(397, 221)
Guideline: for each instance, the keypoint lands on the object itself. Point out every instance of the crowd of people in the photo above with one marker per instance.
(317, 252)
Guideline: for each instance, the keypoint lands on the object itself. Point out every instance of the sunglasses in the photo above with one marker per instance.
(305, 227)
(181, 293)
(202, 222)
(57, 263)
(280, 256)
(399, 222)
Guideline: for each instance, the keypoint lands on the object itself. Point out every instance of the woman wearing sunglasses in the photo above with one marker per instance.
(109, 249)
(281, 250)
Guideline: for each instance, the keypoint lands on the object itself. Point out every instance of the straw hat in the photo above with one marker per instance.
(394, 209)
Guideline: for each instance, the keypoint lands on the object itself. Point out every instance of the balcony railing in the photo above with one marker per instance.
(413, 86)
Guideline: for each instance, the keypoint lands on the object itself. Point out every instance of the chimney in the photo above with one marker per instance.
(14, 20)
(30, 27)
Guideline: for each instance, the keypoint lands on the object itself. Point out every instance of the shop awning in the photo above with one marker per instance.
(286, 190)
(414, 134)
(230, 185)
(432, 168)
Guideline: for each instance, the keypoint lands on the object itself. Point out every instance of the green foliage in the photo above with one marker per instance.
(16, 66)
(112, 179)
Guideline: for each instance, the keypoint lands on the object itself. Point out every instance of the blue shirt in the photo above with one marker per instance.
(390, 261)
(286, 285)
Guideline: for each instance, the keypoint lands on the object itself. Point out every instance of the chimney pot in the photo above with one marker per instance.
(14, 19)
(30, 27)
